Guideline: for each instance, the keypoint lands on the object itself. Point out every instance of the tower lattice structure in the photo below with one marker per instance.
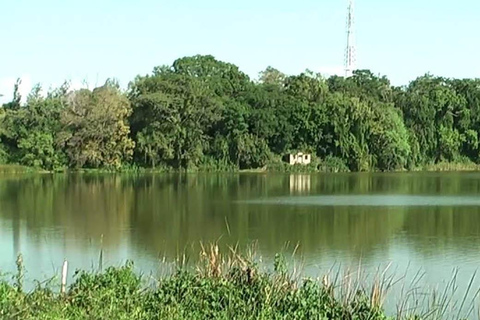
(350, 51)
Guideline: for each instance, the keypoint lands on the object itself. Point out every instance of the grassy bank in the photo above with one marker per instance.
(327, 166)
(15, 169)
(218, 287)
(212, 291)
(451, 166)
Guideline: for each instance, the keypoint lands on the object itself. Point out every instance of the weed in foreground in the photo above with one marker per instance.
(230, 286)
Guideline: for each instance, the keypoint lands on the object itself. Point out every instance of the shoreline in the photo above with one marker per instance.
(440, 167)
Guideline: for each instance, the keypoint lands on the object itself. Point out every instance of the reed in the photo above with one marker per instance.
(451, 167)
(15, 169)
(231, 285)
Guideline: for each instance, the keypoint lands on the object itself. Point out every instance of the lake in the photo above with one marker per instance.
(424, 225)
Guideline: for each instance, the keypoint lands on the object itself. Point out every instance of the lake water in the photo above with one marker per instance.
(412, 223)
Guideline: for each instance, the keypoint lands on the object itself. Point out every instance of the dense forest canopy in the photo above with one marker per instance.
(204, 113)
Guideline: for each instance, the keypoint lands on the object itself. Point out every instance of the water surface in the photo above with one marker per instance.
(414, 221)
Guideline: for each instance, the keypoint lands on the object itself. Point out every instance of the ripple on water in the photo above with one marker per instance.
(371, 200)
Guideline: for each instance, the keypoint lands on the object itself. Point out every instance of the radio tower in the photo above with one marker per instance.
(350, 58)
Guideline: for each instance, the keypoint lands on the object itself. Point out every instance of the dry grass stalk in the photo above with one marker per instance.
(213, 260)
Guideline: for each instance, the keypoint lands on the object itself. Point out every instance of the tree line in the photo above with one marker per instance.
(200, 112)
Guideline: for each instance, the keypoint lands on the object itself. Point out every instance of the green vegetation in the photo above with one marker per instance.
(217, 287)
(204, 114)
(12, 168)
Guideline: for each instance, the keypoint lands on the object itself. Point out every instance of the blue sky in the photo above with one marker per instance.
(49, 41)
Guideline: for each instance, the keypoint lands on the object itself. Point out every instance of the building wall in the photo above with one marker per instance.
(300, 158)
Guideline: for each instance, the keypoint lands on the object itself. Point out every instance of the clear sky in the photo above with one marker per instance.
(49, 41)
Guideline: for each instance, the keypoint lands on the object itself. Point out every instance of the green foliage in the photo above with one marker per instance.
(3, 154)
(172, 114)
(30, 131)
(204, 114)
(272, 76)
(223, 79)
(333, 164)
(389, 139)
(240, 291)
(15, 168)
(437, 116)
(95, 131)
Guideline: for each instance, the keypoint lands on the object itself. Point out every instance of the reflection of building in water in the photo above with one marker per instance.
(299, 158)
(299, 182)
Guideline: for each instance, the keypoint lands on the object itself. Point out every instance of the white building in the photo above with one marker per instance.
(299, 158)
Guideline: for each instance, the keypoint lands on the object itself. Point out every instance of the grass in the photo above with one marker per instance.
(219, 286)
(330, 164)
(14, 169)
(214, 289)
(452, 166)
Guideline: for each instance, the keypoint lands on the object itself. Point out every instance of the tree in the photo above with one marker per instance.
(434, 113)
(95, 129)
(268, 116)
(363, 85)
(30, 131)
(308, 86)
(468, 118)
(272, 76)
(200, 112)
(388, 139)
(17, 97)
(172, 115)
(3, 152)
(223, 79)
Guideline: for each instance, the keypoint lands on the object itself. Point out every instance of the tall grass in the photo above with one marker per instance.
(224, 285)
(462, 165)
(14, 169)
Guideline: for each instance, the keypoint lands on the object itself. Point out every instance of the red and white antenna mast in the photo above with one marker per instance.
(350, 54)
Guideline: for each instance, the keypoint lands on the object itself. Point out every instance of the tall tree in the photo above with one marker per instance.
(222, 78)
(30, 131)
(95, 129)
(431, 106)
(272, 76)
(172, 115)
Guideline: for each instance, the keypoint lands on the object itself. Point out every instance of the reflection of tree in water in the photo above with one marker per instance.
(164, 214)
(204, 207)
(437, 227)
(83, 207)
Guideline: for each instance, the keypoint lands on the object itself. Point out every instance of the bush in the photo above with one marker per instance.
(333, 164)
(213, 290)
